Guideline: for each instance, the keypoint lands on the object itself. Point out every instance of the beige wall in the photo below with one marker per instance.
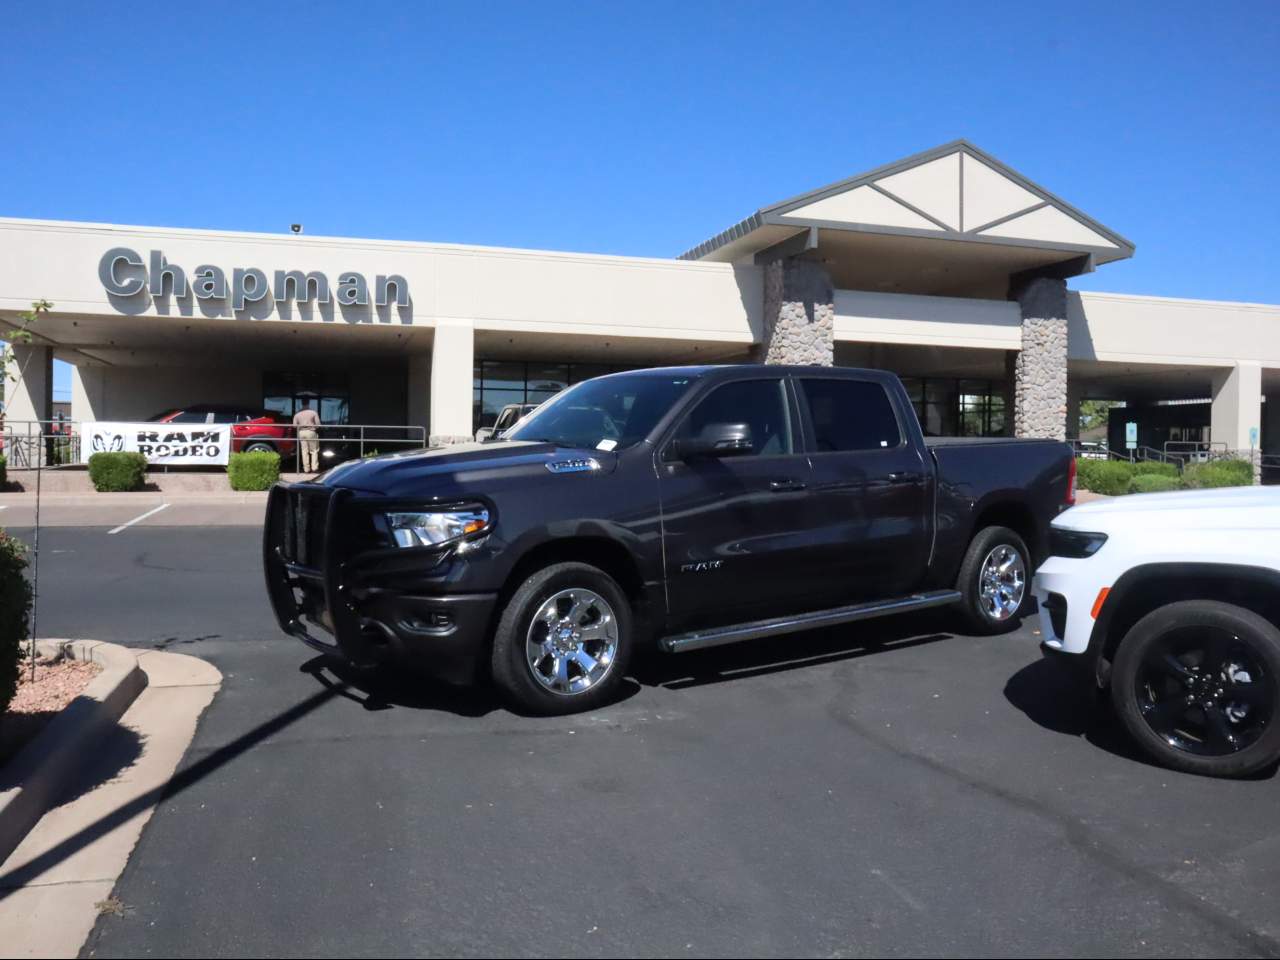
(1137, 329)
(492, 288)
(931, 321)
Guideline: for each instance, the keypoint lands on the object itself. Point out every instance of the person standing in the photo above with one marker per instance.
(307, 422)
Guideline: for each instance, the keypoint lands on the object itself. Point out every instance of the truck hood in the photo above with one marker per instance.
(444, 470)
(1228, 508)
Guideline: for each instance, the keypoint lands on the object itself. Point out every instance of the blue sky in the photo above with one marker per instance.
(644, 128)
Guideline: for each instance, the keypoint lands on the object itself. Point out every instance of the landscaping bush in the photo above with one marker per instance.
(4, 472)
(253, 471)
(1154, 483)
(15, 605)
(1218, 473)
(1154, 468)
(1109, 477)
(117, 472)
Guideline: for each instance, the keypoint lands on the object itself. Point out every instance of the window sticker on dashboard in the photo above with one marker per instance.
(606, 444)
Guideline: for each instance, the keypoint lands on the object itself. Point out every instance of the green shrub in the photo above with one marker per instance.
(1218, 473)
(1154, 468)
(1109, 477)
(4, 472)
(117, 472)
(1154, 483)
(253, 471)
(15, 606)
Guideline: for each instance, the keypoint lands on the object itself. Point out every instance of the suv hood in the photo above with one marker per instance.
(426, 472)
(1227, 508)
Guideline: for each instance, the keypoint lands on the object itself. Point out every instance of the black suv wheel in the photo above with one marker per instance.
(563, 641)
(1197, 684)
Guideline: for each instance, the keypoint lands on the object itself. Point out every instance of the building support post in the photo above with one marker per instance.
(30, 396)
(1040, 374)
(418, 412)
(1236, 418)
(799, 313)
(452, 370)
(88, 393)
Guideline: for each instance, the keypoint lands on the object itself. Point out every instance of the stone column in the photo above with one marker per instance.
(799, 313)
(1236, 418)
(452, 370)
(1040, 374)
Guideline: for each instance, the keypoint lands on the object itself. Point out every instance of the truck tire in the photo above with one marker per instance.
(1197, 685)
(259, 446)
(995, 580)
(563, 641)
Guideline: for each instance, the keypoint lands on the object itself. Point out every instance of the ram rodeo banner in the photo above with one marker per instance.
(682, 507)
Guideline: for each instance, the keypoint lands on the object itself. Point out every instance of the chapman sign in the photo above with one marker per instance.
(158, 442)
(124, 273)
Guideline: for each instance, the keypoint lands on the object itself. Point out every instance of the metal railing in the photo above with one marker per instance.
(1195, 451)
(1183, 453)
(346, 441)
(27, 444)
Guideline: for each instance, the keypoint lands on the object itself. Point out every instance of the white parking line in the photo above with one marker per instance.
(149, 513)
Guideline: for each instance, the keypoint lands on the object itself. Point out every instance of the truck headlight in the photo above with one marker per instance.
(429, 529)
(1076, 544)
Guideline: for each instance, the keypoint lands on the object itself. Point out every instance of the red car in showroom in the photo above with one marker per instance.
(252, 430)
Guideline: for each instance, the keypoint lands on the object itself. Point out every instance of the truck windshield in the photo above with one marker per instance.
(608, 413)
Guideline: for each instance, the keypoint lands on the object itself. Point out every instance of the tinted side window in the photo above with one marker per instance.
(760, 404)
(850, 415)
(192, 416)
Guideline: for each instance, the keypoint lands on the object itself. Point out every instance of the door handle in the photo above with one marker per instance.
(785, 486)
(903, 476)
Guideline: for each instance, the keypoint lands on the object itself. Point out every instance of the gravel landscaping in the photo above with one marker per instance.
(56, 684)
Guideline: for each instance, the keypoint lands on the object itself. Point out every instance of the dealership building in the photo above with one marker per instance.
(949, 268)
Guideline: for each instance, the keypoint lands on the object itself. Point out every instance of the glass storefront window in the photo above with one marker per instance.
(284, 393)
(949, 407)
(496, 383)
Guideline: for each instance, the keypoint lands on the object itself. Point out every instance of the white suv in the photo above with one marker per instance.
(1172, 601)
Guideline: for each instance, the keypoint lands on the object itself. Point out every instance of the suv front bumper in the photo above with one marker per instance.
(312, 595)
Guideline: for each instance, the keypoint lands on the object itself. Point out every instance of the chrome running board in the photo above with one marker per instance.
(715, 636)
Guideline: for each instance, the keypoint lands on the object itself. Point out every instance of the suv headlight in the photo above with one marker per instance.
(1074, 544)
(430, 529)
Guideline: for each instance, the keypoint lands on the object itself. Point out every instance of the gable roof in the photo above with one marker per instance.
(952, 192)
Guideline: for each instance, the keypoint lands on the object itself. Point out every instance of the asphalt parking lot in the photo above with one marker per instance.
(890, 789)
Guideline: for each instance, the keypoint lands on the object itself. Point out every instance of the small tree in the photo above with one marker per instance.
(10, 370)
(1094, 413)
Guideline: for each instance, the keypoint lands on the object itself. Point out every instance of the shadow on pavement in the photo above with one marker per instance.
(118, 750)
(182, 780)
(1057, 700)
(792, 651)
(385, 688)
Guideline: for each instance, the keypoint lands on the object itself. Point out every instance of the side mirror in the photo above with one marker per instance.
(716, 440)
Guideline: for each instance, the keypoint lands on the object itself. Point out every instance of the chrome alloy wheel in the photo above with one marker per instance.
(1002, 582)
(571, 641)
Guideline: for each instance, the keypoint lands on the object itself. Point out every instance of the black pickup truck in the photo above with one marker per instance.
(683, 507)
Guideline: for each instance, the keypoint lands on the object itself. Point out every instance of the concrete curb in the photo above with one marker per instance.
(33, 780)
